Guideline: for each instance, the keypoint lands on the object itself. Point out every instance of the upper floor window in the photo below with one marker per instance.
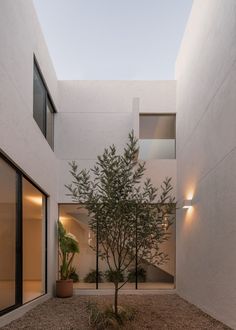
(43, 110)
(156, 136)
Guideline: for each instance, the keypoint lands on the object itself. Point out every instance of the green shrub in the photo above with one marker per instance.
(91, 277)
(112, 276)
(73, 275)
(141, 275)
(105, 319)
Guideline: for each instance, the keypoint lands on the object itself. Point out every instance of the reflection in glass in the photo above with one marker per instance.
(149, 276)
(107, 276)
(33, 242)
(7, 235)
(155, 276)
(50, 124)
(75, 221)
(39, 100)
(156, 149)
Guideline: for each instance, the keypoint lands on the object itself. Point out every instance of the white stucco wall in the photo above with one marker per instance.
(206, 159)
(91, 115)
(20, 137)
(95, 114)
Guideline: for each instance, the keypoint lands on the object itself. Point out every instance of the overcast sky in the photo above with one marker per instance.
(113, 39)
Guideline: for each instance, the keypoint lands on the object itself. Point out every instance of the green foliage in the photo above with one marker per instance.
(141, 275)
(73, 275)
(91, 277)
(126, 211)
(68, 247)
(107, 319)
(113, 276)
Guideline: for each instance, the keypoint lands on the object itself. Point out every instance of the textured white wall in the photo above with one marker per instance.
(20, 137)
(206, 159)
(95, 114)
(91, 115)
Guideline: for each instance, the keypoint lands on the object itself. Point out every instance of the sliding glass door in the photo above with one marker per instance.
(33, 241)
(8, 217)
(22, 238)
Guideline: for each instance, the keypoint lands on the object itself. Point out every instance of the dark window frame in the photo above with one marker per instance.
(48, 99)
(19, 236)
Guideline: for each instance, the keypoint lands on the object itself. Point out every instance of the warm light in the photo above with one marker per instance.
(64, 219)
(165, 222)
(187, 203)
(35, 200)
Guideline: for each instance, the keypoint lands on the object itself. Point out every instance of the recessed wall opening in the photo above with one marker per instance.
(93, 272)
(157, 137)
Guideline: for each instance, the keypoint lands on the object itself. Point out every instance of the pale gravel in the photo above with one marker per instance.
(155, 312)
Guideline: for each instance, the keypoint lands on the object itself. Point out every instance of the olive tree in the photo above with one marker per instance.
(128, 215)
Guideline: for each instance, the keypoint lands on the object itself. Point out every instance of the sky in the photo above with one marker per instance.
(113, 39)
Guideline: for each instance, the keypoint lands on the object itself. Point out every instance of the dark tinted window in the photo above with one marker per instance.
(43, 110)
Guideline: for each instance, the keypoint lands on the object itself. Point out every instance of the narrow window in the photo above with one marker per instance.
(43, 110)
(157, 136)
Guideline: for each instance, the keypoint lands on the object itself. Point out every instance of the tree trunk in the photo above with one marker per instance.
(116, 299)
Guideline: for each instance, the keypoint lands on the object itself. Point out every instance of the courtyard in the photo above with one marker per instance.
(152, 312)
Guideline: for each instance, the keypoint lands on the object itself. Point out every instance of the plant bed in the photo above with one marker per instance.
(152, 312)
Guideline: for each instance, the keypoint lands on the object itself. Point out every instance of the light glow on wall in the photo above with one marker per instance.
(64, 219)
(187, 203)
(35, 200)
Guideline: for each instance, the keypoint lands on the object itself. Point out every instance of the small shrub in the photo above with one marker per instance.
(73, 275)
(141, 275)
(105, 319)
(112, 276)
(91, 277)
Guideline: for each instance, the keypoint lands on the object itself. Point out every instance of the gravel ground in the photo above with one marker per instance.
(155, 312)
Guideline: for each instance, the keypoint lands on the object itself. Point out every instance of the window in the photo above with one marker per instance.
(43, 110)
(94, 273)
(22, 238)
(33, 225)
(156, 136)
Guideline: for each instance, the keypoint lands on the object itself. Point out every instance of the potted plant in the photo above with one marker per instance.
(68, 247)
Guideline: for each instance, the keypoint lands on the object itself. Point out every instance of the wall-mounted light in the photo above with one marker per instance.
(187, 203)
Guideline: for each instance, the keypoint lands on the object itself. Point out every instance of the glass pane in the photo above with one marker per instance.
(157, 126)
(7, 235)
(39, 101)
(33, 242)
(50, 124)
(121, 244)
(156, 149)
(126, 282)
(151, 275)
(75, 220)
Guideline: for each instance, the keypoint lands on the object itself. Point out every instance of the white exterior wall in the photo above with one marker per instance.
(91, 115)
(20, 137)
(96, 114)
(206, 159)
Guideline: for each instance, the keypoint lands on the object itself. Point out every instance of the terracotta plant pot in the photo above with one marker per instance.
(64, 288)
